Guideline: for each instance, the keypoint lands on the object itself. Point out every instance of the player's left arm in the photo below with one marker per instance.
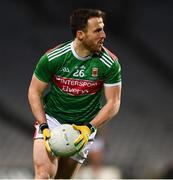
(111, 108)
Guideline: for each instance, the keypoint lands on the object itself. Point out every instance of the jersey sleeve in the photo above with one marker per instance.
(113, 77)
(43, 70)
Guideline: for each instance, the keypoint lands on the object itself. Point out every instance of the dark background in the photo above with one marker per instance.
(139, 139)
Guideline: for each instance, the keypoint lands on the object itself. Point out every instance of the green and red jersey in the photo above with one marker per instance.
(76, 83)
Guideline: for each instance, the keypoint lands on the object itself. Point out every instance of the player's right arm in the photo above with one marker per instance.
(39, 83)
(35, 92)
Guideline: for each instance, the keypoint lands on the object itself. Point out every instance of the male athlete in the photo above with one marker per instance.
(75, 76)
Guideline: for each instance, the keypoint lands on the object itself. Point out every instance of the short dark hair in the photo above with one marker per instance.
(79, 18)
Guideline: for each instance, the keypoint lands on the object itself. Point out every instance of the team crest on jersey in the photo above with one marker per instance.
(94, 72)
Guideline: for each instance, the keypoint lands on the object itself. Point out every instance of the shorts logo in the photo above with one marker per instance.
(94, 72)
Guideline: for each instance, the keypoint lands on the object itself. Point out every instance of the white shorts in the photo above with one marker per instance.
(52, 123)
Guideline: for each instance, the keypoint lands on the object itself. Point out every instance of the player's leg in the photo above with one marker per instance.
(67, 168)
(44, 164)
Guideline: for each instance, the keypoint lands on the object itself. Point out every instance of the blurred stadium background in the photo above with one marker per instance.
(139, 140)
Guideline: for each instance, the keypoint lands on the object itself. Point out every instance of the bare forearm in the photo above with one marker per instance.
(37, 107)
(108, 111)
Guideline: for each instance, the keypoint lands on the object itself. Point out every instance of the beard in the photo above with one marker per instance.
(91, 46)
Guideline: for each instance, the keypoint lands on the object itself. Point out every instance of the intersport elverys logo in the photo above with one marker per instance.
(77, 87)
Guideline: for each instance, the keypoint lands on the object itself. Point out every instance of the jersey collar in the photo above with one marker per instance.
(77, 56)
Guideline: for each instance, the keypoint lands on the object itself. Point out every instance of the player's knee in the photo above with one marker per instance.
(44, 173)
(39, 174)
